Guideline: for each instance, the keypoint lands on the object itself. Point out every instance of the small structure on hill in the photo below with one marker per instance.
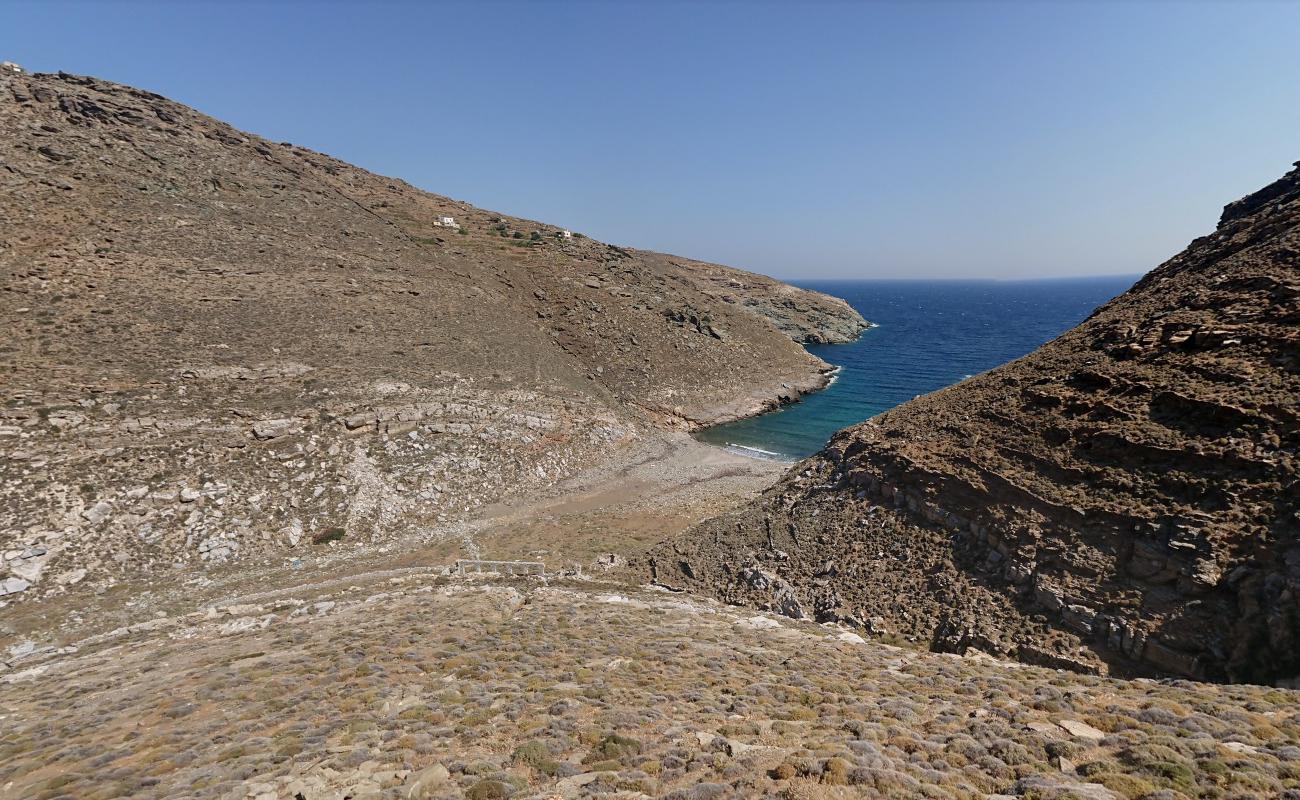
(564, 234)
(446, 222)
(11, 67)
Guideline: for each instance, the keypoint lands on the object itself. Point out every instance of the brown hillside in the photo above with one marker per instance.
(1125, 496)
(215, 345)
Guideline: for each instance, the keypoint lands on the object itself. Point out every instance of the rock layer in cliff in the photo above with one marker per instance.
(1126, 497)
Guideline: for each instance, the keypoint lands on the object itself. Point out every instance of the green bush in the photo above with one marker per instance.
(531, 753)
(328, 535)
(613, 748)
(1127, 786)
(489, 790)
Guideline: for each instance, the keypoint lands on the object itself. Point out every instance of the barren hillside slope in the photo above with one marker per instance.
(412, 686)
(1128, 494)
(216, 346)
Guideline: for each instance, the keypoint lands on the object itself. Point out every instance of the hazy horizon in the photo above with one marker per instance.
(1134, 276)
(814, 142)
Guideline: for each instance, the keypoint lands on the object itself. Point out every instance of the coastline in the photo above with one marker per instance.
(767, 400)
(761, 401)
(750, 451)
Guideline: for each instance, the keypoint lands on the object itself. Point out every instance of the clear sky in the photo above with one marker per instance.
(799, 139)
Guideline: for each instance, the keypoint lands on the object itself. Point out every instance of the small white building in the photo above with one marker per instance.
(446, 222)
(9, 66)
(564, 234)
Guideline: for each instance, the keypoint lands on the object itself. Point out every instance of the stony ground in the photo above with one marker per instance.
(587, 523)
(415, 685)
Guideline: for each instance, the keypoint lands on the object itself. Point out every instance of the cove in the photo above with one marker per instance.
(928, 335)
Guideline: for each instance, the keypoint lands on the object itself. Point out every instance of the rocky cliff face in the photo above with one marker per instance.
(218, 347)
(1127, 497)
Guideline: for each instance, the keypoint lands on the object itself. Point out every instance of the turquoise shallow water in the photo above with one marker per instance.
(931, 334)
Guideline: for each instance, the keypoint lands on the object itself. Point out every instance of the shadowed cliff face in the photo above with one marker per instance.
(1126, 497)
(216, 346)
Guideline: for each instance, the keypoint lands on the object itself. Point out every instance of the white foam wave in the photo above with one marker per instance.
(757, 452)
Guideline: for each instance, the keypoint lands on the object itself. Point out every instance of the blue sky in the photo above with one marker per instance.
(804, 140)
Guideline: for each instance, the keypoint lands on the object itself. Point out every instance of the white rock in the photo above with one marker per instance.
(22, 649)
(30, 567)
(66, 419)
(1081, 730)
(273, 428)
(98, 512)
(245, 624)
(13, 586)
(70, 578)
(294, 532)
(426, 782)
(571, 786)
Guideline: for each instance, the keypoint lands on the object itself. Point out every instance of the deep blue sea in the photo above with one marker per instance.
(931, 334)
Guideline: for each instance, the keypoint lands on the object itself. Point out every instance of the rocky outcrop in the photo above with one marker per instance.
(1127, 497)
(219, 347)
(804, 317)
